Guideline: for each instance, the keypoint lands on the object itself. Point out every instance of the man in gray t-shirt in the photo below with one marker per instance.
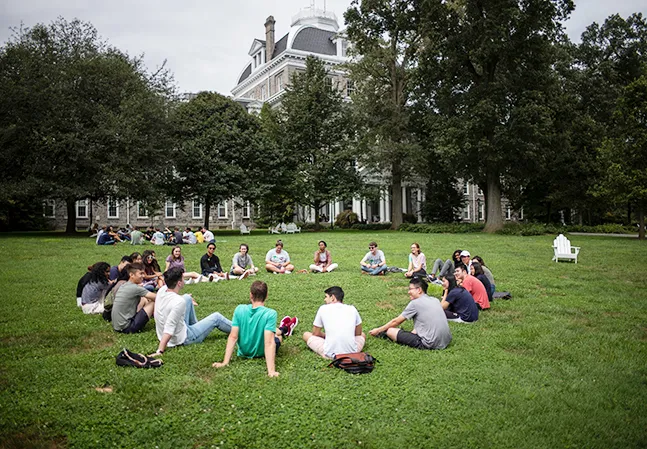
(430, 328)
(133, 305)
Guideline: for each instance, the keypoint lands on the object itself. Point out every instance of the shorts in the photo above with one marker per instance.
(410, 339)
(137, 323)
(317, 345)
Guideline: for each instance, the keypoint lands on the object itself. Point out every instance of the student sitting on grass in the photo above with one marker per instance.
(253, 328)
(105, 238)
(417, 263)
(95, 289)
(477, 271)
(242, 264)
(153, 277)
(472, 285)
(457, 302)
(136, 237)
(114, 270)
(322, 260)
(133, 305)
(374, 262)
(343, 327)
(441, 269)
(175, 320)
(176, 260)
(210, 265)
(82, 283)
(430, 328)
(277, 260)
(487, 272)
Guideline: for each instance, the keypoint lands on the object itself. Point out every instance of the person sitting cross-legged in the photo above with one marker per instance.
(242, 264)
(430, 328)
(175, 319)
(133, 305)
(253, 328)
(342, 324)
(374, 262)
(277, 260)
(322, 260)
(210, 265)
(457, 302)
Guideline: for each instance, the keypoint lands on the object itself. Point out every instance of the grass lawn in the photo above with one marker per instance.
(563, 364)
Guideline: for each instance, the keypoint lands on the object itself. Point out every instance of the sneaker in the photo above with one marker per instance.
(285, 323)
(211, 278)
(244, 275)
(382, 335)
(293, 323)
(288, 272)
(227, 276)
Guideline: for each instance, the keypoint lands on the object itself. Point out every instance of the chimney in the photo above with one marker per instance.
(269, 38)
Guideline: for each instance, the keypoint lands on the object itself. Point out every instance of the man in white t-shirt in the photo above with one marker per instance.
(343, 327)
(208, 235)
(175, 320)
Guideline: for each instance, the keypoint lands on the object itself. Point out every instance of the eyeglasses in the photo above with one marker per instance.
(371, 247)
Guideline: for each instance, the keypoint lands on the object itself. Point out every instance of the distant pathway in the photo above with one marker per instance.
(599, 234)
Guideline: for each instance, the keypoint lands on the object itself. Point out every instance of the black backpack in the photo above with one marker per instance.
(128, 358)
(354, 362)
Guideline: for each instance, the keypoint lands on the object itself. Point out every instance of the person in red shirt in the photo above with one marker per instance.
(472, 285)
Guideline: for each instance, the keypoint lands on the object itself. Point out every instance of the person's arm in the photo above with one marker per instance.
(364, 263)
(316, 257)
(358, 330)
(234, 263)
(229, 351)
(167, 265)
(150, 296)
(270, 353)
(383, 260)
(162, 346)
(318, 332)
(443, 301)
(395, 322)
(328, 260)
(204, 265)
(410, 267)
(218, 268)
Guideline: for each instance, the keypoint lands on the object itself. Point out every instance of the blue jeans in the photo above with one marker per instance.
(374, 271)
(197, 331)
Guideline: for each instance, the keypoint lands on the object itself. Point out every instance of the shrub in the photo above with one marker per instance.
(346, 219)
(409, 218)
(442, 228)
(371, 226)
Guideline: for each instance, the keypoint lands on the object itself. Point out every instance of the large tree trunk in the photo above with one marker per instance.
(396, 196)
(70, 228)
(494, 212)
(317, 206)
(207, 212)
(641, 220)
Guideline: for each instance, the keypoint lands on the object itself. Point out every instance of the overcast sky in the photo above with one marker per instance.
(205, 42)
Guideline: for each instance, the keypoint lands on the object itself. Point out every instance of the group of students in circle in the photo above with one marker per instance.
(134, 291)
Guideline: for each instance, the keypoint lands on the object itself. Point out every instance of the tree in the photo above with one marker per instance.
(385, 37)
(486, 69)
(625, 155)
(315, 128)
(216, 154)
(79, 118)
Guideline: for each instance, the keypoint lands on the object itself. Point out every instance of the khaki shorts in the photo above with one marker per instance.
(317, 345)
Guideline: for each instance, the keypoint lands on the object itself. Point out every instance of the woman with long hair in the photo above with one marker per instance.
(153, 277)
(458, 303)
(95, 290)
(176, 260)
(476, 270)
(417, 263)
(487, 272)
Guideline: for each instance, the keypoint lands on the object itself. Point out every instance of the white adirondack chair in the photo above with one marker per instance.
(284, 228)
(564, 250)
(244, 229)
(292, 228)
(275, 230)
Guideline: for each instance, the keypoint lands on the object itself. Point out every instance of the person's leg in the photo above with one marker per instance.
(366, 269)
(360, 341)
(379, 270)
(448, 268)
(315, 268)
(289, 267)
(492, 288)
(197, 332)
(331, 267)
(237, 271)
(316, 344)
(437, 266)
(189, 314)
(271, 268)
(408, 339)
(392, 333)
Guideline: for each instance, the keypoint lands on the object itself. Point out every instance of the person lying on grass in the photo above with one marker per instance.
(134, 305)
(175, 320)
(430, 328)
(343, 327)
(457, 302)
(374, 262)
(253, 328)
(472, 285)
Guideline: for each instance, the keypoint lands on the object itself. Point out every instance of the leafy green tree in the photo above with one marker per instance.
(486, 70)
(315, 129)
(625, 155)
(216, 155)
(386, 37)
(79, 118)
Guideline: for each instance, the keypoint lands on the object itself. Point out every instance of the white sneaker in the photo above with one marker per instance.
(244, 275)
(288, 272)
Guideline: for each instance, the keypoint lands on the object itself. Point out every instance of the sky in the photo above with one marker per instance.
(205, 42)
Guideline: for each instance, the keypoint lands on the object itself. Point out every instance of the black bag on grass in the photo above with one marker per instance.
(354, 362)
(128, 358)
(502, 295)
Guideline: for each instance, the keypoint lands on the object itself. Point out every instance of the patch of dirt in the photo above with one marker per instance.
(105, 389)
(385, 305)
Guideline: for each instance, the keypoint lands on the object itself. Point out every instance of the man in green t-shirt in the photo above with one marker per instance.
(254, 329)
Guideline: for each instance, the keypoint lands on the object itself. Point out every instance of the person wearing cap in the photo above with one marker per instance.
(466, 259)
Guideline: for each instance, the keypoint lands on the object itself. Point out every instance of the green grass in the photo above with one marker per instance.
(563, 364)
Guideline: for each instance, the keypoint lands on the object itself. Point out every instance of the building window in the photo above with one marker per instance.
(344, 47)
(350, 88)
(508, 213)
(521, 214)
(279, 82)
(466, 188)
(263, 92)
(480, 192)
(169, 209)
(222, 210)
(466, 213)
(49, 209)
(113, 208)
(142, 210)
(481, 211)
(197, 209)
(82, 209)
(246, 210)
